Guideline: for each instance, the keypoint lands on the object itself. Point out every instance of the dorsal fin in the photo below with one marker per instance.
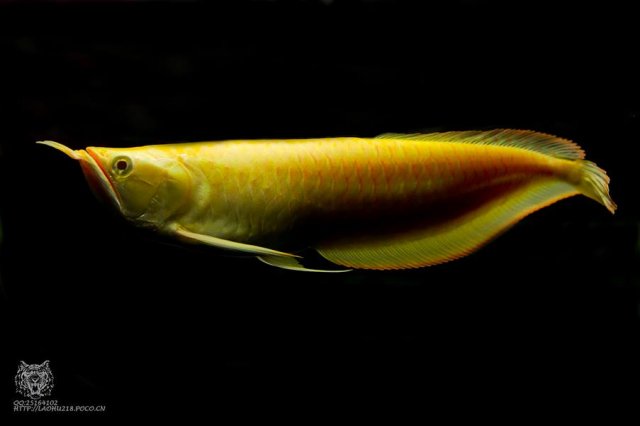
(523, 139)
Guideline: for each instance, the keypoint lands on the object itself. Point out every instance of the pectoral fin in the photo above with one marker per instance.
(293, 264)
(230, 245)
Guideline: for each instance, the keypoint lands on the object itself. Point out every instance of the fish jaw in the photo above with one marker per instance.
(96, 177)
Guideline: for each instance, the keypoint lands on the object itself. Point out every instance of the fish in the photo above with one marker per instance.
(395, 201)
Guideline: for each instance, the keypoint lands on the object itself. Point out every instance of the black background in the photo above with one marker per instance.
(546, 314)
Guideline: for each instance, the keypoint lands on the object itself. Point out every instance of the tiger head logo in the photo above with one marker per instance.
(34, 380)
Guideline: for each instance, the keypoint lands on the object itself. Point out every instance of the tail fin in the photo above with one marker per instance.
(594, 183)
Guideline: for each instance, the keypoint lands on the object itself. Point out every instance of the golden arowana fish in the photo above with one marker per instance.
(396, 201)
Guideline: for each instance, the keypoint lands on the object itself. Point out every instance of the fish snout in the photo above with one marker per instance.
(91, 161)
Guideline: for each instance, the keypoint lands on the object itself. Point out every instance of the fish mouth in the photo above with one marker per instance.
(97, 178)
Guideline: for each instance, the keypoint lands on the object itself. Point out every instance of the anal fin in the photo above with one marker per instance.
(449, 235)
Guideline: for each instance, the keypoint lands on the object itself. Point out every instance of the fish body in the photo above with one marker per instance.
(392, 202)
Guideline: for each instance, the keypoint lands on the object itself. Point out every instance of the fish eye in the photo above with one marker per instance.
(121, 165)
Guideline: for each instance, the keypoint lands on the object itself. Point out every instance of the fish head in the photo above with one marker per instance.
(145, 184)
